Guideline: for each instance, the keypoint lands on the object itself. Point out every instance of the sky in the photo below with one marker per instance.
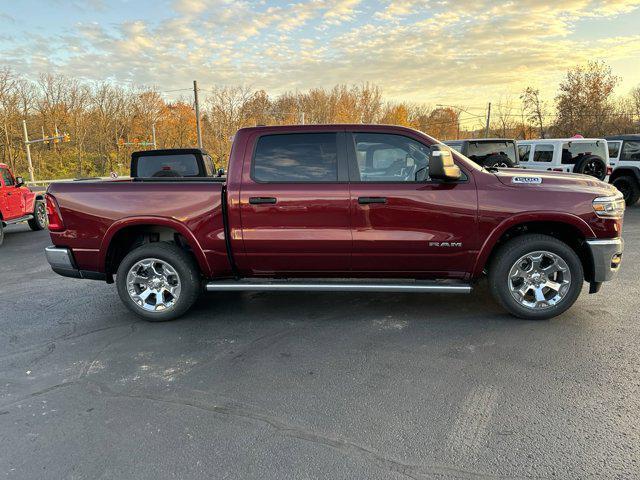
(464, 52)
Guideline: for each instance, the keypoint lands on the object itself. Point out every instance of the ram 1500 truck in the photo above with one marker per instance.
(338, 208)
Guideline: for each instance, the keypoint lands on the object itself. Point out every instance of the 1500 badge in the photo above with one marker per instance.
(533, 180)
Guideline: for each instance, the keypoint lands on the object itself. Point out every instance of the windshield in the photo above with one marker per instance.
(573, 152)
(480, 151)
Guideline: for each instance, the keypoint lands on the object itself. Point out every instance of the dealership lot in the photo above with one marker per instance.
(313, 385)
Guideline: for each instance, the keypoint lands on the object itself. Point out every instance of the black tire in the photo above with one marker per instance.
(39, 220)
(629, 188)
(180, 261)
(506, 257)
(498, 161)
(1, 232)
(592, 165)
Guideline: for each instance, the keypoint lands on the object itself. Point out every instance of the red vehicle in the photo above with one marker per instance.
(337, 208)
(18, 203)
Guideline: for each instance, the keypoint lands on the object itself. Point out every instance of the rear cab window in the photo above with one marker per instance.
(573, 152)
(296, 157)
(182, 165)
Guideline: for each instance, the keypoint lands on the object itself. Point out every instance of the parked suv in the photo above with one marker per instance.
(18, 203)
(624, 153)
(588, 156)
(488, 152)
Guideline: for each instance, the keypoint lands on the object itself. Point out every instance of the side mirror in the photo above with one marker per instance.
(441, 164)
(19, 181)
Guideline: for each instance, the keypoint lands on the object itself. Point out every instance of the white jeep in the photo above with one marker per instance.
(624, 152)
(588, 156)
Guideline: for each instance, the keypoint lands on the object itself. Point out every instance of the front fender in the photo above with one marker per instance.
(521, 219)
(178, 226)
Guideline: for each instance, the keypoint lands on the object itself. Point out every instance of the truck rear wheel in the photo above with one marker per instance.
(629, 188)
(536, 277)
(158, 281)
(39, 220)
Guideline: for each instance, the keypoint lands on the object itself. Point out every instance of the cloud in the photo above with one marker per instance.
(439, 51)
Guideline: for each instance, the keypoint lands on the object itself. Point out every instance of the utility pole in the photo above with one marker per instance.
(197, 105)
(302, 118)
(486, 132)
(28, 149)
(153, 135)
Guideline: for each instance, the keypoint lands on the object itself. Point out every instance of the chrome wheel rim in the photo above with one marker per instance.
(539, 280)
(41, 213)
(153, 285)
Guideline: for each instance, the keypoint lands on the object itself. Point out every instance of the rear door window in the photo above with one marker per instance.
(296, 157)
(183, 165)
(523, 152)
(543, 153)
(614, 149)
(631, 152)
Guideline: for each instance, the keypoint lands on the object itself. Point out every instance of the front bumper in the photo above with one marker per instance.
(606, 255)
(62, 262)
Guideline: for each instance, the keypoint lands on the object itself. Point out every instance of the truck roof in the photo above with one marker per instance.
(328, 127)
(480, 140)
(169, 151)
(4, 165)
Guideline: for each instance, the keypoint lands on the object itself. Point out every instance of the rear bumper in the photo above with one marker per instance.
(606, 255)
(62, 262)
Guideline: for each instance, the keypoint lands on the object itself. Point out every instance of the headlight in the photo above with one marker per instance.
(609, 207)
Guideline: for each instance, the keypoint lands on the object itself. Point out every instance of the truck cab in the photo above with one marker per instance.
(18, 203)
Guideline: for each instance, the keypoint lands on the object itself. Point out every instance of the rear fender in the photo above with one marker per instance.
(179, 227)
(523, 218)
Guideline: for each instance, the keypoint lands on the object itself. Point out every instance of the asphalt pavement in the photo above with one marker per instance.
(313, 385)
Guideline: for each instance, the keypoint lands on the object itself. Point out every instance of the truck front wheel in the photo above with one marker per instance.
(536, 277)
(158, 281)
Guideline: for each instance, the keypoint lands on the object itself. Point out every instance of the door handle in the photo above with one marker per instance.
(262, 200)
(367, 200)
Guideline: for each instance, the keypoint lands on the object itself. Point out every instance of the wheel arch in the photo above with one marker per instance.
(125, 234)
(566, 227)
(627, 171)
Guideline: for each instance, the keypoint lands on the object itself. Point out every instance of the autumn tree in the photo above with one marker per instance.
(584, 101)
(534, 108)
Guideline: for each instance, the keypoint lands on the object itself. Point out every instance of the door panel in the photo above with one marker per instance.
(402, 225)
(12, 207)
(298, 226)
(417, 230)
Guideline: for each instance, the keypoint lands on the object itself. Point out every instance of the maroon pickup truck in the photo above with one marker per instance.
(337, 208)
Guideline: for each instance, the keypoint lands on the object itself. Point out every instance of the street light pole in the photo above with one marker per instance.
(28, 150)
(197, 106)
(486, 132)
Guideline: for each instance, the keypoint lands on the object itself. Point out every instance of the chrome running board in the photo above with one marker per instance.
(338, 285)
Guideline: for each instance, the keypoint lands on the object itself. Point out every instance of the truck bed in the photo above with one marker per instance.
(95, 211)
